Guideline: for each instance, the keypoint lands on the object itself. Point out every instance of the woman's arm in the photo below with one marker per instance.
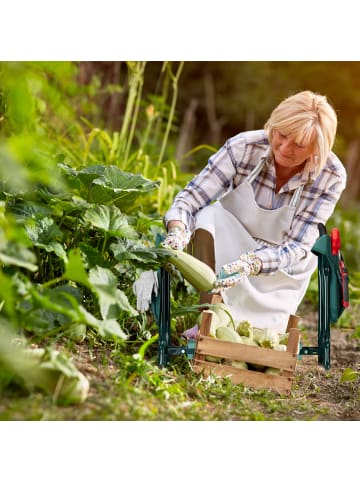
(211, 182)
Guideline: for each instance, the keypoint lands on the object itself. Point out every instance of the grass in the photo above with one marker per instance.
(128, 388)
(126, 384)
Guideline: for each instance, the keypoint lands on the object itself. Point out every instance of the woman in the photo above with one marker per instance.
(252, 213)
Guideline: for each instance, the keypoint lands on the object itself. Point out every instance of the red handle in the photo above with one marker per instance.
(344, 282)
(335, 241)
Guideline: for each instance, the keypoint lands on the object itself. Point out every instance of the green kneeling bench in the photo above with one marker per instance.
(333, 298)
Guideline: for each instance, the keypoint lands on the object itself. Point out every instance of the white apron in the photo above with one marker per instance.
(236, 221)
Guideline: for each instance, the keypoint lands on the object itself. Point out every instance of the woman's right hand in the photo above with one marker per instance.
(177, 237)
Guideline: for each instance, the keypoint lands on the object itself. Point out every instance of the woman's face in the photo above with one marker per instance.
(287, 152)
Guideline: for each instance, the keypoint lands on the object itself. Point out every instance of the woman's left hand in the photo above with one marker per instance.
(228, 282)
(232, 274)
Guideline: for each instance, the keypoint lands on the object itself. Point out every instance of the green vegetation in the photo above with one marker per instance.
(81, 205)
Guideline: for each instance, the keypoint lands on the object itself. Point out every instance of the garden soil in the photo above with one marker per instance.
(339, 400)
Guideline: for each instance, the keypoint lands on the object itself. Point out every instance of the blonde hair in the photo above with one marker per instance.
(308, 117)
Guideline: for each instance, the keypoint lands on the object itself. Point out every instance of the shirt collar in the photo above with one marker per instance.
(306, 175)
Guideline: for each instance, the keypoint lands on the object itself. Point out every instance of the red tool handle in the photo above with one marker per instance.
(335, 251)
(344, 283)
(335, 241)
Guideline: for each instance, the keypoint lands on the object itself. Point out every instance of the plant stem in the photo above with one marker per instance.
(104, 244)
(52, 282)
(175, 79)
(136, 79)
(140, 83)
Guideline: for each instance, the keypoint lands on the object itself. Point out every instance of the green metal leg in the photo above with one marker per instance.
(164, 317)
(160, 306)
(161, 309)
(324, 319)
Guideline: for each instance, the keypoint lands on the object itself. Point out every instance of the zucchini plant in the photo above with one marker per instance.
(78, 252)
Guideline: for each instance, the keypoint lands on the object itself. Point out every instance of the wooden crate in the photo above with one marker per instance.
(285, 361)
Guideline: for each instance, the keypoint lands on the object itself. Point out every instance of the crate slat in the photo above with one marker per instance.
(257, 380)
(252, 354)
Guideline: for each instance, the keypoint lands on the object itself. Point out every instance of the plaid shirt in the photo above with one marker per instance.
(231, 165)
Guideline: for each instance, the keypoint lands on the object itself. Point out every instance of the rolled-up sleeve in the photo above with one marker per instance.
(208, 185)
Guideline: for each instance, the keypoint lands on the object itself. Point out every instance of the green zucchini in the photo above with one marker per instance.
(196, 272)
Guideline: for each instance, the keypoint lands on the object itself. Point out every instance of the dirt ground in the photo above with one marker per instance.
(339, 400)
(317, 394)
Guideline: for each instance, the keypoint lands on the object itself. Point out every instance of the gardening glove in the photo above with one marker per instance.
(232, 274)
(144, 288)
(177, 238)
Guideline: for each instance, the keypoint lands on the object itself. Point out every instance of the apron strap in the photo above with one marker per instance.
(296, 196)
(254, 173)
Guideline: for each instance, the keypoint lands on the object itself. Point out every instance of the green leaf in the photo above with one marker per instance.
(349, 375)
(27, 209)
(105, 328)
(56, 360)
(16, 261)
(44, 233)
(93, 257)
(54, 247)
(52, 305)
(7, 294)
(88, 174)
(123, 303)
(110, 220)
(111, 300)
(74, 269)
(119, 180)
(12, 251)
(43, 230)
(137, 252)
(63, 203)
(111, 328)
(120, 188)
(66, 298)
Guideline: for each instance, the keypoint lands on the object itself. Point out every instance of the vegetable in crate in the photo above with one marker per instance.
(213, 359)
(283, 338)
(280, 347)
(220, 316)
(266, 338)
(228, 334)
(249, 341)
(244, 328)
(223, 312)
(272, 371)
(259, 337)
(239, 364)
